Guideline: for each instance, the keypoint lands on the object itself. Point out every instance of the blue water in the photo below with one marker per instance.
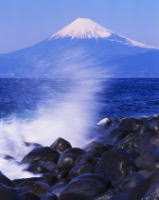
(119, 97)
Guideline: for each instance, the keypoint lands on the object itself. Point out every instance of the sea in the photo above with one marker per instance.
(39, 111)
(121, 97)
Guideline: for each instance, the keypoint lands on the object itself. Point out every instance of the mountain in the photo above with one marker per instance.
(82, 44)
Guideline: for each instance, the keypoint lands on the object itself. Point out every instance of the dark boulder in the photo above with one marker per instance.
(29, 196)
(60, 145)
(130, 182)
(49, 179)
(116, 164)
(68, 157)
(80, 168)
(85, 187)
(148, 159)
(121, 196)
(50, 196)
(152, 193)
(41, 154)
(38, 188)
(7, 193)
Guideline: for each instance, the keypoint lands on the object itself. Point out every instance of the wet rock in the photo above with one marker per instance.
(50, 197)
(130, 182)
(148, 159)
(21, 180)
(60, 145)
(105, 196)
(95, 149)
(41, 154)
(29, 196)
(7, 193)
(60, 173)
(4, 180)
(116, 134)
(81, 168)
(50, 179)
(135, 143)
(38, 188)
(68, 158)
(152, 193)
(116, 164)
(85, 187)
(121, 196)
(131, 124)
(42, 167)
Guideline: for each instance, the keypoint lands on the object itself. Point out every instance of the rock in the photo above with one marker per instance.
(36, 169)
(4, 180)
(42, 167)
(49, 179)
(85, 187)
(105, 196)
(116, 134)
(115, 163)
(29, 196)
(7, 193)
(130, 182)
(135, 143)
(121, 196)
(81, 168)
(95, 149)
(152, 193)
(19, 181)
(60, 173)
(68, 157)
(38, 188)
(50, 197)
(41, 154)
(148, 159)
(143, 187)
(131, 125)
(60, 145)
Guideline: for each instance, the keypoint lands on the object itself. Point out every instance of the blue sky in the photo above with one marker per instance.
(26, 22)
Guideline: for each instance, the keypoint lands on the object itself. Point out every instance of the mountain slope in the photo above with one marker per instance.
(83, 43)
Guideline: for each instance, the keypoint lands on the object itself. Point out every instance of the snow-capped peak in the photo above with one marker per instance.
(83, 28)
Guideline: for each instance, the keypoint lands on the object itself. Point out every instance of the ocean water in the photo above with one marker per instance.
(20, 98)
(41, 110)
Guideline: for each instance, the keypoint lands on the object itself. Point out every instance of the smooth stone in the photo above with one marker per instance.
(29, 196)
(49, 179)
(22, 180)
(135, 143)
(60, 173)
(116, 164)
(152, 193)
(60, 145)
(148, 159)
(130, 181)
(38, 188)
(131, 124)
(121, 196)
(50, 197)
(68, 157)
(80, 168)
(41, 154)
(7, 193)
(85, 187)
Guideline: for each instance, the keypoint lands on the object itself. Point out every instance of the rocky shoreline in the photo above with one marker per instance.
(123, 164)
